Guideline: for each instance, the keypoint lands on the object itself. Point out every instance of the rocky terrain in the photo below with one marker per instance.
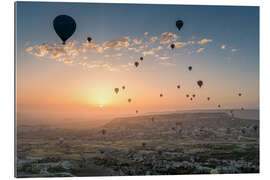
(176, 143)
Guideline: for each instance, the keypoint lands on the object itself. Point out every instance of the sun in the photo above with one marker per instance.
(101, 106)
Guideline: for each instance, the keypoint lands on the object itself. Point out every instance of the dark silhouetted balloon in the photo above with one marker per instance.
(161, 95)
(116, 90)
(137, 111)
(101, 149)
(136, 63)
(243, 130)
(143, 143)
(187, 95)
(242, 109)
(219, 106)
(103, 131)
(200, 83)
(239, 94)
(193, 95)
(64, 27)
(129, 100)
(191, 99)
(179, 24)
(255, 127)
(141, 58)
(172, 46)
(153, 119)
(178, 86)
(123, 87)
(189, 68)
(89, 39)
(208, 98)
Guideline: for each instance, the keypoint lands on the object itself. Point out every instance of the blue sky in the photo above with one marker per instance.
(226, 71)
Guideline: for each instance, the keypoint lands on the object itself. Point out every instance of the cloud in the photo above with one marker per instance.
(204, 41)
(223, 46)
(149, 52)
(117, 44)
(92, 46)
(200, 50)
(159, 48)
(137, 41)
(164, 58)
(145, 34)
(168, 64)
(53, 51)
(65, 60)
(167, 37)
(235, 50)
(153, 38)
(181, 44)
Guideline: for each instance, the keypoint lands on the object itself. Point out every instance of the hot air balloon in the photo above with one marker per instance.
(129, 100)
(242, 109)
(243, 130)
(200, 83)
(136, 63)
(191, 99)
(152, 119)
(143, 143)
(64, 27)
(103, 131)
(187, 95)
(255, 127)
(141, 58)
(116, 90)
(159, 150)
(137, 111)
(193, 95)
(178, 86)
(179, 24)
(89, 39)
(161, 95)
(101, 149)
(219, 106)
(239, 94)
(189, 68)
(123, 87)
(208, 98)
(172, 46)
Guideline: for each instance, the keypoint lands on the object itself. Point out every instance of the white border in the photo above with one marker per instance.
(7, 86)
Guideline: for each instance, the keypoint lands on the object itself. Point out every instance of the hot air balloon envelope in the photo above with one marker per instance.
(179, 24)
(64, 27)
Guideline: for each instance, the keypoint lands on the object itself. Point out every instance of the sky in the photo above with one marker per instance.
(221, 43)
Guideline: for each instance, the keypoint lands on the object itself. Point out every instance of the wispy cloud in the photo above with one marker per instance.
(117, 44)
(166, 63)
(223, 46)
(164, 58)
(235, 50)
(137, 41)
(181, 44)
(153, 38)
(167, 37)
(200, 50)
(146, 34)
(149, 52)
(204, 41)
